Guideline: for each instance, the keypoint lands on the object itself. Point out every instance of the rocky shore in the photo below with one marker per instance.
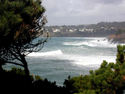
(117, 38)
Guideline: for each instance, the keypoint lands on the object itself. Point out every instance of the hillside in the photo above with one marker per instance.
(99, 29)
(102, 29)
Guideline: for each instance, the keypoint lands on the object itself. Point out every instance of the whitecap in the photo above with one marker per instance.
(95, 42)
(92, 60)
(49, 53)
(75, 59)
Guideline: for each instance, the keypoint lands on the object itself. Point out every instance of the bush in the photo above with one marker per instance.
(108, 79)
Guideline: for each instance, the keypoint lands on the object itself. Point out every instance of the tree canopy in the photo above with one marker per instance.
(21, 21)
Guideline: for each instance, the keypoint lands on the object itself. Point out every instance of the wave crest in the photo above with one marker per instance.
(49, 53)
(92, 43)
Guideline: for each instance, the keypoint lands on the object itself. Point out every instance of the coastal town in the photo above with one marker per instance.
(111, 30)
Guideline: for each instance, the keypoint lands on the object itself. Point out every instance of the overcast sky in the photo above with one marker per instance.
(75, 12)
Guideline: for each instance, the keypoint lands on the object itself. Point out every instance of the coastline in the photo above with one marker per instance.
(120, 38)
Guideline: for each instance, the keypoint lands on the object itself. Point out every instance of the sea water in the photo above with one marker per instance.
(74, 56)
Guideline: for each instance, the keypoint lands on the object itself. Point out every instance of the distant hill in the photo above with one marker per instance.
(102, 29)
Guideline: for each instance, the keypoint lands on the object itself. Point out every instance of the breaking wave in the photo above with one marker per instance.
(49, 53)
(75, 59)
(97, 42)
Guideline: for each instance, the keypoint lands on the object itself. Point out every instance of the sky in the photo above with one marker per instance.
(76, 12)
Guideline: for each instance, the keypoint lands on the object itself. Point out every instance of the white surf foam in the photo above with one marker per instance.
(85, 60)
(95, 42)
(74, 59)
(49, 53)
(92, 60)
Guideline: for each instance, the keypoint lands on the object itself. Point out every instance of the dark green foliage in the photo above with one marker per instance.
(21, 21)
(16, 79)
(108, 79)
(18, 16)
(121, 54)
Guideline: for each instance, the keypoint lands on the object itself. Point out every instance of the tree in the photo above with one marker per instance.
(121, 54)
(21, 30)
(108, 79)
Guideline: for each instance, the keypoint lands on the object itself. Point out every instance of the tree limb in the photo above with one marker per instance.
(15, 63)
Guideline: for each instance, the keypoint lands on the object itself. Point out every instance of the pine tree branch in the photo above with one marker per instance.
(15, 63)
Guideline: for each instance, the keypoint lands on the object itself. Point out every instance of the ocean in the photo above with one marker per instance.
(74, 56)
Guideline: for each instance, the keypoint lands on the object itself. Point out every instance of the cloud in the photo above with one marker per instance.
(108, 1)
(60, 12)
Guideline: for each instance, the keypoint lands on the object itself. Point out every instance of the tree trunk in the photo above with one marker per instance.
(26, 69)
(25, 65)
(1, 69)
(1, 63)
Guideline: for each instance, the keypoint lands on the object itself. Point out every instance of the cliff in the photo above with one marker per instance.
(117, 38)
